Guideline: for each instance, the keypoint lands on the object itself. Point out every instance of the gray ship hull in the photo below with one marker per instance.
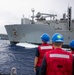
(31, 33)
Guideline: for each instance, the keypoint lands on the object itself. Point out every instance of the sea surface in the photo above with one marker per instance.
(20, 57)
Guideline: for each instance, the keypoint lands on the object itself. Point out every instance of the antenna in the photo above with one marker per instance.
(69, 18)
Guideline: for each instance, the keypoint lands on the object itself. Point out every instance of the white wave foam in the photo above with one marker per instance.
(27, 45)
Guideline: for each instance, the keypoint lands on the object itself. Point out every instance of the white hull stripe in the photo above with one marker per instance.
(59, 55)
(46, 47)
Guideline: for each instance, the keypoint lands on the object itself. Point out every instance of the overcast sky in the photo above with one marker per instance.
(11, 11)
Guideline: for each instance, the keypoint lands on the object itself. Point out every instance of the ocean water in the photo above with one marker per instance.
(20, 57)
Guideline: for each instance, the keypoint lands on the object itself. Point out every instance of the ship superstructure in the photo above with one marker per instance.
(31, 30)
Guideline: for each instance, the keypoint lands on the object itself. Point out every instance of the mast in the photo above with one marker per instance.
(69, 18)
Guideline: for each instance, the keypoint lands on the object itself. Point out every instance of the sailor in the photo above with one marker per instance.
(72, 46)
(41, 50)
(57, 61)
(72, 50)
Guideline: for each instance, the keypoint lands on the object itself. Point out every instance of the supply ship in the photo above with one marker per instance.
(30, 30)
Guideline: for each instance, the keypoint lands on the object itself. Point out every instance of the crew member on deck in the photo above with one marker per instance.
(57, 61)
(41, 50)
(72, 51)
(72, 46)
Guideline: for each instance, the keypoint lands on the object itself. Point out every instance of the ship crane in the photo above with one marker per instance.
(45, 15)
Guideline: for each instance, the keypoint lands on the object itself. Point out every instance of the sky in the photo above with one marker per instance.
(11, 11)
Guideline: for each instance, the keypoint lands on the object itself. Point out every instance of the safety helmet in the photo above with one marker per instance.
(72, 44)
(45, 37)
(57, 37)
